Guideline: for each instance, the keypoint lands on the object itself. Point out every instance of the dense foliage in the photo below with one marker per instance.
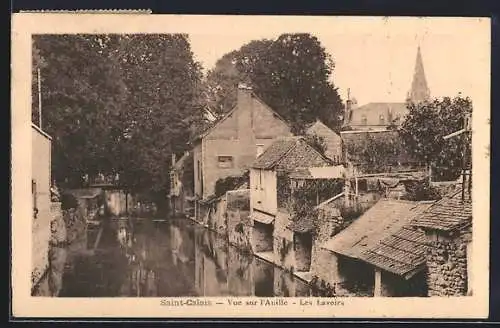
(426, 125)
(226, 184)
(292, 74)
(376, 153)
(117, 104)
(420, 191)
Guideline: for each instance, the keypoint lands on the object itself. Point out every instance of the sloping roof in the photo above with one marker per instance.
(383, 219)
(325, 172)
(448, 213)
(331, 138)
(402, 253)
(288, 153)
(262, 217)
(372, 112)
(229, 113)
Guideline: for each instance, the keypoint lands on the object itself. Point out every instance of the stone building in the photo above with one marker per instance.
(447, 226)
(41, 202)
(234, 141)
(269, 195)
(332, 140)
(379, 115)
(347, 260)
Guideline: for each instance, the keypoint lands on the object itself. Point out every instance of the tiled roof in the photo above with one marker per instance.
(402, 253)
(288, 153)
(382, 220)
(448, 213)
(262, 217)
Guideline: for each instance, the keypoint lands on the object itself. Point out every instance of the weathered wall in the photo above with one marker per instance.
(447, 266)
(262, 236)
(58, 234)
(239, 223)
(303, 251)
(332, 140)
(217, 216)
(323, 262)
(249, 125)
(263, 188)
(41, 177)
(284, 254)
(197, 168)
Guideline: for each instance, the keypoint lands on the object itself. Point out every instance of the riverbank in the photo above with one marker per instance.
(267, 257)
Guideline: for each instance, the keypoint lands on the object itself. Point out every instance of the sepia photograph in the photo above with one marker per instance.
(303, 165)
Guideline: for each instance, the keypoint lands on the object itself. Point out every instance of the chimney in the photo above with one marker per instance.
(348, 107)
(244, 94)
(245, 113)
(173, 159)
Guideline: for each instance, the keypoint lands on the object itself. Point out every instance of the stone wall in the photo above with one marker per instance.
(303, 251)
(262, 237)
(447, 267)
(239, 227)
(323, 260)
(284, 254)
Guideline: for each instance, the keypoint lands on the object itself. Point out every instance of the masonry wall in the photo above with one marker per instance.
(447, 266)
(323, 262)
(239, 223)
(284, 254)
(249, 125)
(41, 176)
(262, 237)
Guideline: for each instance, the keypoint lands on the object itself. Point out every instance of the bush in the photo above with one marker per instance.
(421, 191)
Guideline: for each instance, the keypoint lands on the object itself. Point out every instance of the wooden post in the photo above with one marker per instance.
(377, 290)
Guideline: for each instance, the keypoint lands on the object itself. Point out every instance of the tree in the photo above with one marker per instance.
(119, 104)
(376, 152)
(81, 97)
(291, 74)
(424, 128)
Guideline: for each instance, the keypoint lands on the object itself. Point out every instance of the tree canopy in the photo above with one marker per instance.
(424, 128)
(117, 104)
(292, 74)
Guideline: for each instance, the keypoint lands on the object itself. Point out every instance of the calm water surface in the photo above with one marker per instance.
(161, 259)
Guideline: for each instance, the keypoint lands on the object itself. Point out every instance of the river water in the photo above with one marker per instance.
(170, 258)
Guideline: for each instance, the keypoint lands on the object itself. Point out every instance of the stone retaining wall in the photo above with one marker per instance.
(447, 268)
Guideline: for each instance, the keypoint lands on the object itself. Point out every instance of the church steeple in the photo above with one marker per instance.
(419, 90)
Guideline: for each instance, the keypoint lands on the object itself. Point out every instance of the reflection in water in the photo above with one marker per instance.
(160, 259)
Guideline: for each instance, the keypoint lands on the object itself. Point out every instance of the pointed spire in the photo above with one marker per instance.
(419, 90)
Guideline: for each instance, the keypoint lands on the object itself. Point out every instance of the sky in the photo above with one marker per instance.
(374, 57)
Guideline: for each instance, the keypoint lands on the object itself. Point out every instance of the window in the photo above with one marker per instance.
(260, 149)
(381, 119)
(363, 119)
(225, 162)
(33, 194)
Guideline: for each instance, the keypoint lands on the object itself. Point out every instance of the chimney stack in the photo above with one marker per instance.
(173, 159)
